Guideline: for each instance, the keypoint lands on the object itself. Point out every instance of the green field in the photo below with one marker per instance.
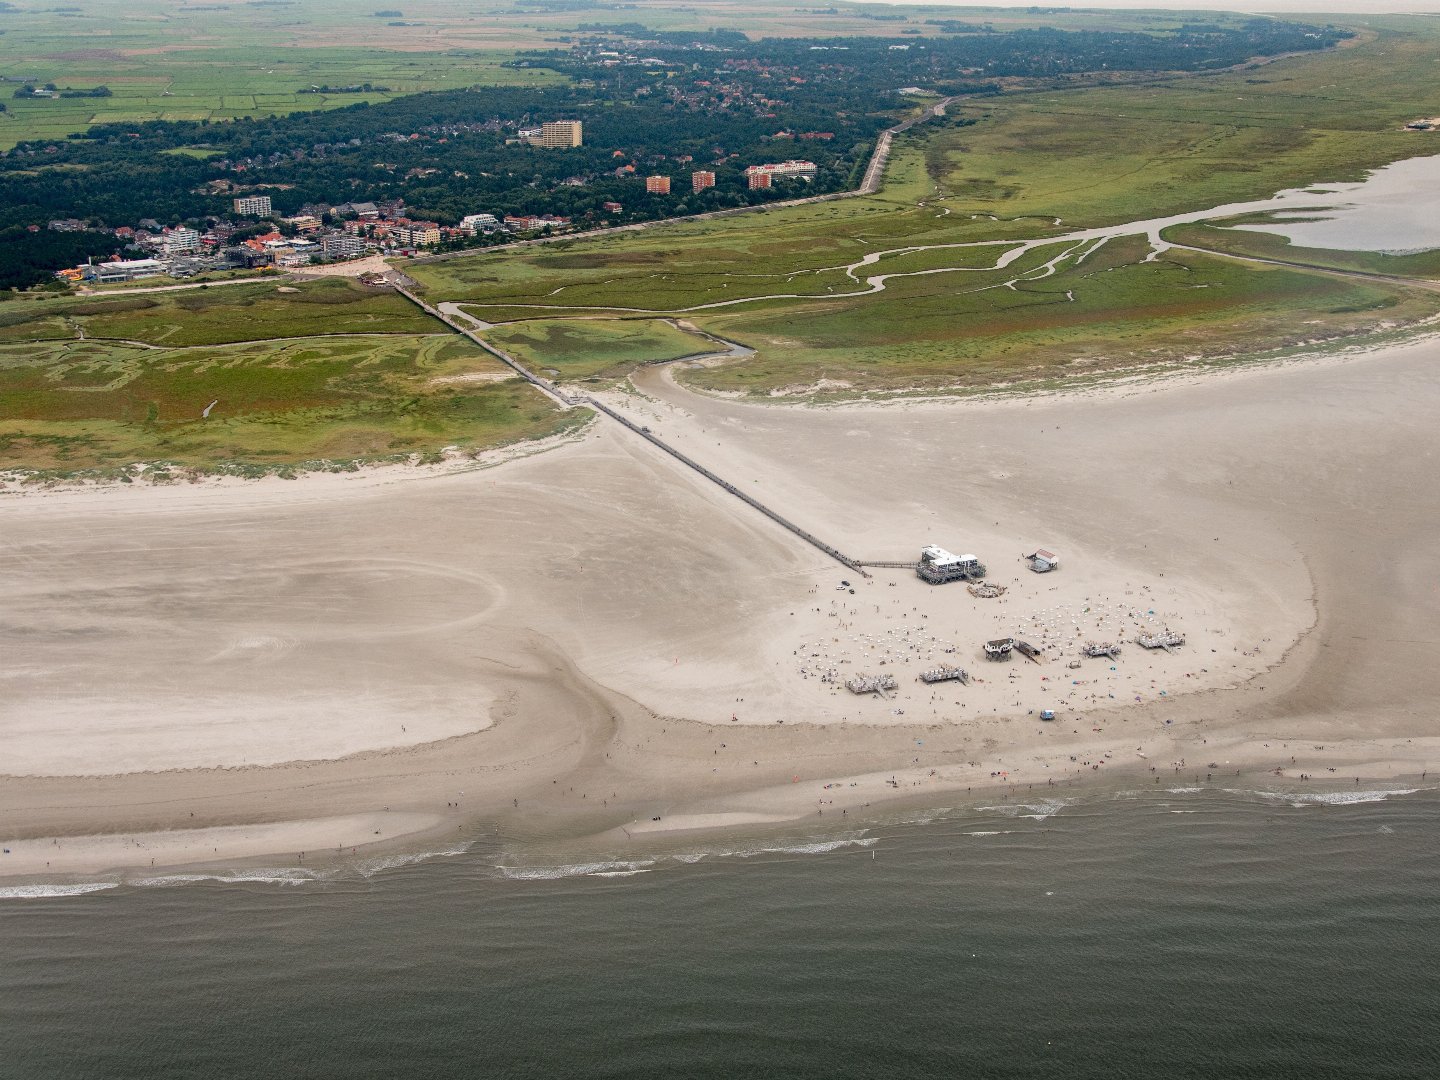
(1100, 156)
(1089, 157)
(168, 61)
(216, 315)
(593, 349)
(326, 374)
(1112, 313)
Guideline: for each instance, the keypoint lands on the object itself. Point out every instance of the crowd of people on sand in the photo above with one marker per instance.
(893, 635)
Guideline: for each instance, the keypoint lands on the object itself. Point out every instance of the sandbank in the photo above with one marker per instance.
(580, 641)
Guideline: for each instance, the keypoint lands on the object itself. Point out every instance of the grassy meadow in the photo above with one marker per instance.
(248, 312)
(168, 61)
(329, 373)
(1103, 315)
(593, 349)
(1106, 155)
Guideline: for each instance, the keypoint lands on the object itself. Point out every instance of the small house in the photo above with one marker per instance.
(1042, 561)
(999, 649)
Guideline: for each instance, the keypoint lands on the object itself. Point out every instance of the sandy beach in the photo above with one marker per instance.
(594, 641)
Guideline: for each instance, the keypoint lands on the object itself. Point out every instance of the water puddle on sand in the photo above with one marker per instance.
(1396, 209)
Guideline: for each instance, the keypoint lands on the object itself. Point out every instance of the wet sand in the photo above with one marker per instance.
(580, 642)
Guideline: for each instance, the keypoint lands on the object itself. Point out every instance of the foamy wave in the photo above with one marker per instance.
(993, 832)
(929, 817)
(371, 867)
(1183, 790)
(1038, 811)
(620, 873)
(555, 872)
(628, 868)
(818, 848)
(1329, 798)
(279, 875)
(41, 892)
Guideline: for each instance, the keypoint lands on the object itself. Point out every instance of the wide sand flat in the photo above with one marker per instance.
(596, 625)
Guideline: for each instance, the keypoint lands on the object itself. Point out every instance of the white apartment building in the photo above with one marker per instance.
(253, 206)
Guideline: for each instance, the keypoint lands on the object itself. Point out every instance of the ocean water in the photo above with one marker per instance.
(1176, 935)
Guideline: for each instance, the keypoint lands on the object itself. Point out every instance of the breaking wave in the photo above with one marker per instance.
(554, 872)
(1037, 811)
(1327, 798)
(40, 892)
(619, 873)
(630, 867)
(371, 867)
(278, 875)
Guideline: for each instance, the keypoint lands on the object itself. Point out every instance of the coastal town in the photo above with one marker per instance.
(255, 237)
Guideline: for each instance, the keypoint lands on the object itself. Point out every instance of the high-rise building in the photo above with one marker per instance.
(341, 246)
(253, 205)
(760, 176)
(657, 185)
(700, 180)
(415, 233)
(480, 222)
(560, 133)
(180, 241)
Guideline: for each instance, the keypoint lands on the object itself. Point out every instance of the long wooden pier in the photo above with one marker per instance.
(569, 401)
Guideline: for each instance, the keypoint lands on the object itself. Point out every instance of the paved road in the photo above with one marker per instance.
(97, 293)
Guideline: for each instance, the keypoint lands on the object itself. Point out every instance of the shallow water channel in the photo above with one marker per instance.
(1396, 209)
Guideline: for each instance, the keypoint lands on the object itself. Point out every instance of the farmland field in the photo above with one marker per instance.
(164, 61)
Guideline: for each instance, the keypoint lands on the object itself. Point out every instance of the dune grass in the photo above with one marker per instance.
(593, 349)
(74, 406)
(1108, 313)
(218, 315)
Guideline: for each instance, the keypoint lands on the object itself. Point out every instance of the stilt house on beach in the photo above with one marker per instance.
(1042, 561)
(938, 566)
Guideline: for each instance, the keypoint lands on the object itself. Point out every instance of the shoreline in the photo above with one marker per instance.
(244, 853)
